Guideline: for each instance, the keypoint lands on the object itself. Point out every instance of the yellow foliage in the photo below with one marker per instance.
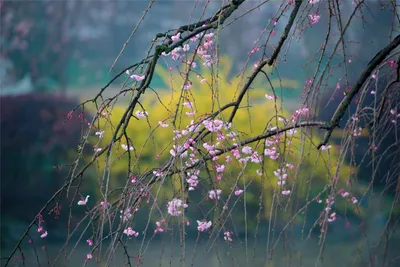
(256, 113)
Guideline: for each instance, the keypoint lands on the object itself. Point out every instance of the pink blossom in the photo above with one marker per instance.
(345, 194)
(83, 201)
(176, 206)
(323, 147)
(160, 229)
(269, 97)
(90, 242)
(186, 47)
(164, 125)
(203, 80)
(44, 235)
(213, 126)
(126, 147)
(191, 114)
(283, 182)
(290, 166)
(236, 153)
(89, 256)
(228, 236)
(238, 192)
(188, 104)
(285, 192)
(176, 37)
(138, 78)
(214, 194)
(244, 160)
(281, 174)
(255, 158)
(247, 150)
(332, 217)
(314, 18)
(99, 134)
(130, 232)
(312, 2)
(141, 114)
(125, 215)
(220, 168)
(187, 85)
(202, 226)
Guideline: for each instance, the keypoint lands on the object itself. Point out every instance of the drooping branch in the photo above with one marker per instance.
(365, 74)
(268, 61)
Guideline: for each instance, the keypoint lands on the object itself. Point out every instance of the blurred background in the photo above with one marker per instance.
(54, 54)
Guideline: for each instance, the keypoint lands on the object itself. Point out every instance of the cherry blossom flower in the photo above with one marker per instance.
(100, 134)
(44, 234)
(357, 132)
(292, 132)
(332, 217)
(312, 2)
(228, 236)
(126, 148)
(281, 174)
(354, 200)
(160, 229)
(255, 158)
(220, 168)
(141, 114)
(202, 226)
(130, 232)
(345, 194)
(269, 97)
(191, 114)
(125, 215)
(238, 192)
(314, 18)
(83, 201)
(188, 104)
(97, 150)
(214, 194)
(213, 126)
(90, 242)
(176, 206)
(193, 182)
(247, 150)
(176, 37)
(203, 80)
(285, 192)
(186, 47)
(164, 125)
(323, 147)
(187, 86)
(138, 78)
(89, 256)
(290, 166)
